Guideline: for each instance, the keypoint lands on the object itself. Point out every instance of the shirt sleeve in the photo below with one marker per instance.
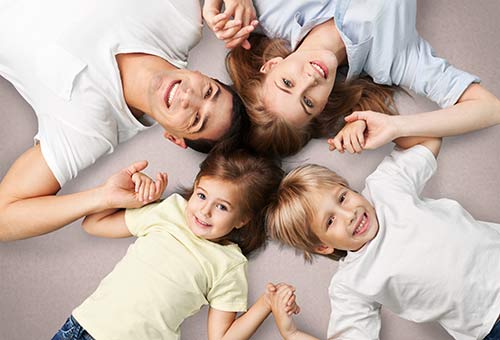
(419, 69)
(139, 220)
(407, 170)
(352, 318)
(230, 292)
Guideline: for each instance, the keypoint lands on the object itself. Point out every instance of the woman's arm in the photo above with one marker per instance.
(29, 206)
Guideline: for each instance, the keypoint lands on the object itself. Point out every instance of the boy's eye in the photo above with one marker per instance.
(208, 93)
(308, 102)
(342, 197)
(221, 207)
(201, 196)
(330, 221)
(287, 82)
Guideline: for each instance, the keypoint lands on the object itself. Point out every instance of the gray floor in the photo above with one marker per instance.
(44, 278)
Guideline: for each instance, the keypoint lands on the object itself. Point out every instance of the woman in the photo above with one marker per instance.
(291, 87)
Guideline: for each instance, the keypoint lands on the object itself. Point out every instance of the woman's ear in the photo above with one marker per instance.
(268, 65)
(324, 249)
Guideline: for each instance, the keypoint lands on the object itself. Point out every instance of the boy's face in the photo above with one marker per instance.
(343, 220)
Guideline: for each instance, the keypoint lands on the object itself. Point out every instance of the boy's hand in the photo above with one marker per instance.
(381, 128)
(291, 305)
(350, 138)
(281, 300)
(146, 189)
(235, 24)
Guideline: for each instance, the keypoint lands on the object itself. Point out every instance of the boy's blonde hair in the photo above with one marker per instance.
(289, 216)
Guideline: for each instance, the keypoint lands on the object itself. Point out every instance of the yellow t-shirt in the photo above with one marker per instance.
(167, 275)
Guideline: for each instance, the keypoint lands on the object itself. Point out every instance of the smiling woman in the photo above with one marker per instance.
(294, 90)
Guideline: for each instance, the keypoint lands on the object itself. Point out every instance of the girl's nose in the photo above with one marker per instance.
(205, 210)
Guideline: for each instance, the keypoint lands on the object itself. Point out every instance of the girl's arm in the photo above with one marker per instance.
(476, 109)
(224, 325)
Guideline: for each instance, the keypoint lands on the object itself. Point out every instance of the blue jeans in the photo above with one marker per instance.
(495, 332)
(71, 330)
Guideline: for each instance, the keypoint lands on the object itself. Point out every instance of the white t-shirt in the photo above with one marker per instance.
(60, 55)
(430, 260)
(167, 275)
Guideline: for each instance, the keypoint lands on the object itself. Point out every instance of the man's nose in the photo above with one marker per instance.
(189, 99)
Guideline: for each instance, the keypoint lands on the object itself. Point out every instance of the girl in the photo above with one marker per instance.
(291, 86)
(190, 252)
(424, 259)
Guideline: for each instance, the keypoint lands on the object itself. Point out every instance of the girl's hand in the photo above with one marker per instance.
(291, 306)
(235, 24)
(280, 303)
(381, 128)
(350, 138)
(147, 190)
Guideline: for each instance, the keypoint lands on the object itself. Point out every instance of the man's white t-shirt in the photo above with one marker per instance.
(60, 55)
(430, 260)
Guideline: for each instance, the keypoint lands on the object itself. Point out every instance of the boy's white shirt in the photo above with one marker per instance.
(430, 261)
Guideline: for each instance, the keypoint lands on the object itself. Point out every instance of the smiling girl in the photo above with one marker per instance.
(190, 251)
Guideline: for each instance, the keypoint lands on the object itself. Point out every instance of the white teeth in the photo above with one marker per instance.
(361, 225)
(172, 94)
(317, 67)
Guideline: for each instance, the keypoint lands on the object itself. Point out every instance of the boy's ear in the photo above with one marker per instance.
(268, 65)
(324, 249)
(176, 140)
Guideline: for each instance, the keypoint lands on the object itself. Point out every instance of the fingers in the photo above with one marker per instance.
(356, 115)
(219, 21)
(137, 166)
(337, 143)
(240, 38)
(146, 189)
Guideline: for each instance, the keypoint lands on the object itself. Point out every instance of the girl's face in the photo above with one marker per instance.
(213, 210)
(297, 87)
(343, 220)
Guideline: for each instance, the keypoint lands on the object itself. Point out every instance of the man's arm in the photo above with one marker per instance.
(29, 207)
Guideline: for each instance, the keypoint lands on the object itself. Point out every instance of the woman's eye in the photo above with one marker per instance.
(221, 207)
(287, 82)
(208, 93)
(342, 197)
(308, 102)
(201, 195)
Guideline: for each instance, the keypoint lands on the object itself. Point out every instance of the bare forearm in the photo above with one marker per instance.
(244, 326)
(40, 215)
(299, 335)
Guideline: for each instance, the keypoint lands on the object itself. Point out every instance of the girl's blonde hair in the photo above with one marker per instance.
(289, 216)
(257, 179)
(271, 134)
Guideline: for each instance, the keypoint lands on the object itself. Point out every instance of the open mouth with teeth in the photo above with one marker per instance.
(361, 225)
(171, 91)
(320, 68)
(201, 223)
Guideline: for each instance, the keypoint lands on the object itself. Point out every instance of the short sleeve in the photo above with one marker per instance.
(408, 169)
(419, 69)
(66, 150)
(139, 220)
(230, 292)
(352, 318)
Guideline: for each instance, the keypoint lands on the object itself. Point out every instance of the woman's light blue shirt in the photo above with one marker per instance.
(381, 40)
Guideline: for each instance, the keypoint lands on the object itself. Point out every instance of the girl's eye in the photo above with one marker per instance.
(342, 197)
(287, 82)
(208, 93)
(221, 207)
(201, 196)
(308, 102)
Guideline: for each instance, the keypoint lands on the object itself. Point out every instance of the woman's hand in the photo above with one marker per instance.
(350, 138)
(235, 24)
(380, 128)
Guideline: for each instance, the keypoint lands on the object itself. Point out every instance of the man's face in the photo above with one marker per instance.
(188, 104)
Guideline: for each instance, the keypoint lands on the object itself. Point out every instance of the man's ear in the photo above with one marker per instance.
(323, 249)
(176, 140)
(268, 65)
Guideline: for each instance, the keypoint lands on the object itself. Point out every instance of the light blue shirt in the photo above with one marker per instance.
(381, 40)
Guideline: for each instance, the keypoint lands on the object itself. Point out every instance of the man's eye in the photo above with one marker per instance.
(342, 197)
(221, 207)
(208, 93)
(287, 82)
(201, 195)
(196, 119)
(308, 102)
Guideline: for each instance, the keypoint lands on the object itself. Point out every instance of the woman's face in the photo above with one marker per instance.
(297, 87)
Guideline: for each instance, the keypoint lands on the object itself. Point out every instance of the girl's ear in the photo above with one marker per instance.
(268, 65)
(243, 223)
(324, 249)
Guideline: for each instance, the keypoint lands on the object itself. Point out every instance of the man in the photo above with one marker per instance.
(96, 74)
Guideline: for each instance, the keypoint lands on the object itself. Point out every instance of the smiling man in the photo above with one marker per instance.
(96, 74)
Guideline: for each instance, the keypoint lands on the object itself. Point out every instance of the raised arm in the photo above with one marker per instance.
(29, 205)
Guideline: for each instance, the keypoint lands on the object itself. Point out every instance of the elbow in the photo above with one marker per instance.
(87, 225)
